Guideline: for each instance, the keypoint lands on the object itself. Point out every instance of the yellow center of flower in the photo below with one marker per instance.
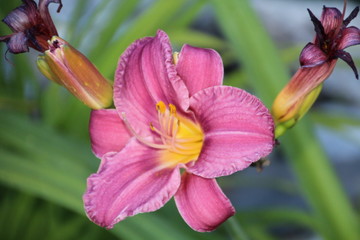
(180, 139)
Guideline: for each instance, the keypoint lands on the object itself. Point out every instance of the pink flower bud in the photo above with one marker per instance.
(67, 66)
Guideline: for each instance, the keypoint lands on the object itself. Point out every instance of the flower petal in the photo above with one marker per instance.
(331, 19)
(45, 14)
(16, 42)
(201, 203)
(350, 37)
(128, 183)
(145, 76)
(238, 130)
(351, 16)
(312, 56)
(22, 17)
(346, 57)
(199, 68)
(108, 133)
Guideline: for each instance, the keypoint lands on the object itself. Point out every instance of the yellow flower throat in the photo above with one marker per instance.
(181, 138)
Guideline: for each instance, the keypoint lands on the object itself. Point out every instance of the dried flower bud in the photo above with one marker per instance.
(66, 66)
(31, 25)
(317, 61)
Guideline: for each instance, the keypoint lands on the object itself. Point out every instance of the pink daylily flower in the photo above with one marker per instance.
(172, 113)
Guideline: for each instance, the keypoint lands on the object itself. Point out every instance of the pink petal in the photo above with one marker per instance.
(350, 37)
(107, 132)
(146, 75)
(331, 19)
(238, 130)
(312, 56)
(199, 68)
(128, 183)
(201, 203)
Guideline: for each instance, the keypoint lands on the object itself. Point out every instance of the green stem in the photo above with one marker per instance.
(236, 231)
(320, 184)
(268, 75)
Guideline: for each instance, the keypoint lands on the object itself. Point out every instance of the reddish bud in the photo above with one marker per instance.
(31, 25)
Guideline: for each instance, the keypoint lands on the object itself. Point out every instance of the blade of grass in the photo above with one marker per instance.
(117, 17)
(78, 34)
(156, 16)
(235, 230)
(187, 17)
(193, 37)
(275, 216)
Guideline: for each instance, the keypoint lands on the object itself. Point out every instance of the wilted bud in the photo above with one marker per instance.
(66, 66)
(31, 25)
(317, 60)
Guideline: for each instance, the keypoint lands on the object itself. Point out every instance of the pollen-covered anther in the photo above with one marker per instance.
(168, 123)
(161, 107)
(172, 109)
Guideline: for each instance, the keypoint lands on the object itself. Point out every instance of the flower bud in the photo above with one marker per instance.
(296, 98)
(66, 66)
(287, 118)
(317, 61)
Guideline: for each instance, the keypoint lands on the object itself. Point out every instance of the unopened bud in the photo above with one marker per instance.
(66, 66)
(297, 97)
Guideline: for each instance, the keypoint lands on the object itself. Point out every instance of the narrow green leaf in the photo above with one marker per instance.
(235, 230)
(115, 20)
(157, 16)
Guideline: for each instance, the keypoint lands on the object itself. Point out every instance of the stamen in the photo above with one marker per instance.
(175, 57)
(138, 137)
(182, 143)
(159, 132)
(341, 26)
(161, 107)
(172, 109)
(174, 132)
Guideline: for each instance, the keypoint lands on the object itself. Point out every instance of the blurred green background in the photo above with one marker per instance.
(311, 189)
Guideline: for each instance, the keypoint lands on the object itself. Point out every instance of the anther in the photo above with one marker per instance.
(172, 109)
(175, 57)
(161, 107)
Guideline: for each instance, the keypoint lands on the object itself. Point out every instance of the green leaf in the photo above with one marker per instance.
(156, 16)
